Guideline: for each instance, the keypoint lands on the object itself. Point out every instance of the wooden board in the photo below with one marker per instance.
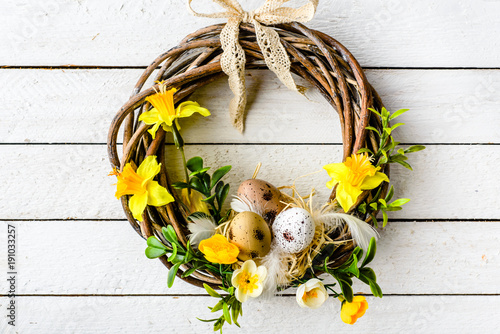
(438, 260)
(426, 33)
(107, 257)
(454, 106)
(147, 314)
(70, 181)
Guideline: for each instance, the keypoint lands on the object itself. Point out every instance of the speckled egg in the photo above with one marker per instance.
(264, 196)
(251, 234)
(293, 230)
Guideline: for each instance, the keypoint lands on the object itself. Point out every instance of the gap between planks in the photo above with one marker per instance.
(391, 220)
(107, 67)
(287, 295)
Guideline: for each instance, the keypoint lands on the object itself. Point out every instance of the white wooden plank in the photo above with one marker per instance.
(70, 181)
(400, 33)
(402, 314)
(107, 257)
(452, 106)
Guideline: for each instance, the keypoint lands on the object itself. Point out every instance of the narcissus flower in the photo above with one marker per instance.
(164, 113)
(140, 184)
(351, 312)
(312, 294)
(248, 280)
(352, 177)
(193, 201)
(218, 250)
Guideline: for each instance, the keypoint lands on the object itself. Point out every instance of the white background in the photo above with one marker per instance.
(68, 66)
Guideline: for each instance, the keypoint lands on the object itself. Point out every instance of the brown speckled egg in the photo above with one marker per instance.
(264, 196)
(251, 234)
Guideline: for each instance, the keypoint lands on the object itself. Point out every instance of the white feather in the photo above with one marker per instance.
(201, 227)
(361, 231)
(277, 269)
(242, 204)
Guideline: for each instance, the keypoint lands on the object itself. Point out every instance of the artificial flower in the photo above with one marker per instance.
(351, 312)
(352, 177)
(218, 250)
(164, 113)
(312, 294)
(193, 201)
(248, 280)
(141, 186)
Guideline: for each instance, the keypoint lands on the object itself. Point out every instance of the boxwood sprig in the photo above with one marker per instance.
(179, 255)
(200, 180)
(352, 268)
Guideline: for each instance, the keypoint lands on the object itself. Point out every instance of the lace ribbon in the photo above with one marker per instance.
(275, 55)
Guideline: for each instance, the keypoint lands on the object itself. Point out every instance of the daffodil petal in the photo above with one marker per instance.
(137, 204)
(121, 189)
(188, 108)
(149, 168)
(158, 195)
(347, 195)
(169, 120)
(371, 182)
(337, 171)
(153, 130)
(167, 128)
(331, 184)
(150, 117)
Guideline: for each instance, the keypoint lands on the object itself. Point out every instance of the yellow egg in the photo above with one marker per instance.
(251, 234)
(264, 196)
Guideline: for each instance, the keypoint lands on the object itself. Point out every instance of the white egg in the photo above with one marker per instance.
(293, 230)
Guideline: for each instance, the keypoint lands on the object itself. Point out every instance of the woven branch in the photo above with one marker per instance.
(195, 62)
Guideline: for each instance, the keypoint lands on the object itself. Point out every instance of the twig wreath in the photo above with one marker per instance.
(271, 238)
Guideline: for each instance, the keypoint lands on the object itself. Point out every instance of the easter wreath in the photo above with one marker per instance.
(271, 238)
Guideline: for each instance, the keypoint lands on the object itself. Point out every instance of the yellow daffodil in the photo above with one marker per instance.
(164, 113)
(248, 280)
(140, 184)
(312, 294)
(353, 176)
(193, 200)
(218, 250)
(351, 312)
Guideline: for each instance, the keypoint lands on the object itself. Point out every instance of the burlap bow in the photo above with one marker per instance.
(275, 55)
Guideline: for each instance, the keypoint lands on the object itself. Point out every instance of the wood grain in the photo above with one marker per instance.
(107, 257)
(438, 276)
(453, 106)
(426, 33)
(70, 181)
(397, 314)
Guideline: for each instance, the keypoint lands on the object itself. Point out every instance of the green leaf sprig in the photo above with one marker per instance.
(388, 151)
(349, 269)
(200, 180)
(230, 306)
(179, 255)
